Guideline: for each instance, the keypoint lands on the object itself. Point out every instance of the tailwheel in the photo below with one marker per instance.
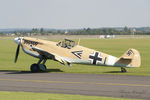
(123, 70)
(35, 68)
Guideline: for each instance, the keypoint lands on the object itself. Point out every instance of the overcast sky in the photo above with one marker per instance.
(66, 14)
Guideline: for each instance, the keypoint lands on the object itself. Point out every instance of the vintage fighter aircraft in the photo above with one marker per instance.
(67, 52)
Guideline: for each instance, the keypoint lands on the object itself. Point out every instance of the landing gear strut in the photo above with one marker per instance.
(123, 70)
(38, 67)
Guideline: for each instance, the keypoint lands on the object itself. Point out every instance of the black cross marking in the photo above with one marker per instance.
(95, 57)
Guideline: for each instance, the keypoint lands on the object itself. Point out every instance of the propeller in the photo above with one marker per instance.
(17, 52)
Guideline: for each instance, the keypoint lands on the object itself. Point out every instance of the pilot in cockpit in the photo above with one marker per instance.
(66, 44)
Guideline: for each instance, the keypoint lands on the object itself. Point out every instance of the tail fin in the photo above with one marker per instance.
(131, 58)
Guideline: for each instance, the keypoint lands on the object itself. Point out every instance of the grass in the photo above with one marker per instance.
(115, 47)
(48, 96)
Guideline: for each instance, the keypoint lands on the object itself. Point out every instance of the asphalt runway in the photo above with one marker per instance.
(83, 84)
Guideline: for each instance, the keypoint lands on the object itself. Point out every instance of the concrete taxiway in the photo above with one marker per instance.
(83, 84)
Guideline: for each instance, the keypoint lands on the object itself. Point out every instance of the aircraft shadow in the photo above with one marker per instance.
(29, 72)
(113, 72)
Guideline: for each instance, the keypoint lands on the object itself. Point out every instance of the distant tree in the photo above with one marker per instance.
(35, 30)
(2, 33)
(15, 32)
(42, 31)
(126, 29)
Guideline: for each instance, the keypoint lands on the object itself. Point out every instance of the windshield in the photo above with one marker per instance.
(66, 43)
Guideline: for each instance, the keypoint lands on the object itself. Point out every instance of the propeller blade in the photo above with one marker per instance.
(17, 53)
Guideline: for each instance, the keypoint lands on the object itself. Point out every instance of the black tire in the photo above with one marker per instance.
(34, 68)
(123, 70)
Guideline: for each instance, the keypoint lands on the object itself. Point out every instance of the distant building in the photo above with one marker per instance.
(133, 31)
(66, 32)
(106, 36)
(102, 36)
(13, 34)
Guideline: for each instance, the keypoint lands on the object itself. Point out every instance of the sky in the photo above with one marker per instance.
(72, 14)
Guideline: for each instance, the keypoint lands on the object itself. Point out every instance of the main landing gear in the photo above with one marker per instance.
(38, 67)
(123, 70)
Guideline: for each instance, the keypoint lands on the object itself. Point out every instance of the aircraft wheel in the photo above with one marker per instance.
(42, 67)
(123, 70)
(35, 68)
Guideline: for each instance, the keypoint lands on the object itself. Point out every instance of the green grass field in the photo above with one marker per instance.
(115, 47)
(48, 96)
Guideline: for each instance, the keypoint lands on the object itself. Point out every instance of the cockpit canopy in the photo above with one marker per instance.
(66, 43)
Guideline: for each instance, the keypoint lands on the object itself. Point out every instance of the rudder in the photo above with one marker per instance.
(131, 58)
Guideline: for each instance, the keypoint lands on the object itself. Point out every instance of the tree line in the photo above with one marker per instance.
(85, 31)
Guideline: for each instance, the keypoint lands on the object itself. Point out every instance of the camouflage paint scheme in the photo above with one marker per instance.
(44, 49)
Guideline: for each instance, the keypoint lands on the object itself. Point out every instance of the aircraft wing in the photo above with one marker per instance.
(48, 55)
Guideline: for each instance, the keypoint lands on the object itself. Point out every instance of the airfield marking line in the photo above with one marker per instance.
(97, 83)
(40, 81)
